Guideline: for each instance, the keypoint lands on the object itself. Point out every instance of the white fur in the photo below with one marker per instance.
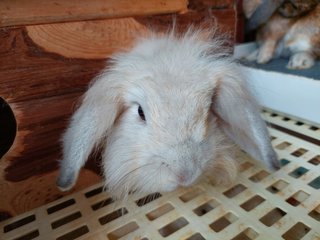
(298, 44)
(187, 129)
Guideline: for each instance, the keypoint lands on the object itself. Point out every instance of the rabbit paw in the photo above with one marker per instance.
(301, 60)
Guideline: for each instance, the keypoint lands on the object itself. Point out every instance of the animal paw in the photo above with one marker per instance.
(302, 60)
(264, 56)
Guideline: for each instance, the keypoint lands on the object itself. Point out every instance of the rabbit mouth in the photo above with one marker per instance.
(171, 184)
(185, 178)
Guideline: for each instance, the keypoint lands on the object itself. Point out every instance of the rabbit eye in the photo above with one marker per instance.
(141, 113)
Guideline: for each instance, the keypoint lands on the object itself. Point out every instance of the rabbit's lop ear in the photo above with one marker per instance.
(88, 127)
(239, 115)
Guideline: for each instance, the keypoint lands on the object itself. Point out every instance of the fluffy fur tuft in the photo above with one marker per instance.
(166, 113)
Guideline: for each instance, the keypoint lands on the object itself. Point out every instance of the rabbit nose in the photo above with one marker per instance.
(184, 178)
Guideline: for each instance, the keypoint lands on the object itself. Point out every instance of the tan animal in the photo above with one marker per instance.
(298, 37)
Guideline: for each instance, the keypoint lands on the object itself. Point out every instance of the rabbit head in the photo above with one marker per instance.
(164, 113)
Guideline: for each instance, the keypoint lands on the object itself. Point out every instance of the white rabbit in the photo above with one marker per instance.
(164, 114)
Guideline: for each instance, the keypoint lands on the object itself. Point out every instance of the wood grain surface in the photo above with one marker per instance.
(22, 12)
(213, 4)
(44, 69)
(88, 39)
